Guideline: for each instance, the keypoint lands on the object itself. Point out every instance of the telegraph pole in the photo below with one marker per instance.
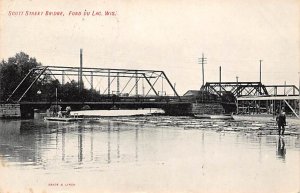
(202, 61)
(260, 70)
(220, 77)
(260, 76)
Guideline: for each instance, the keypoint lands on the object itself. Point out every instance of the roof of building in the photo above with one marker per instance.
(192, 93)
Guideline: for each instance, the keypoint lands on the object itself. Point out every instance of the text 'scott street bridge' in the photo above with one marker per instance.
(116, 88)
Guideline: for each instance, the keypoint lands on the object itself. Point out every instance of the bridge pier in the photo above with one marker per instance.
(27, 109)
(10, 111)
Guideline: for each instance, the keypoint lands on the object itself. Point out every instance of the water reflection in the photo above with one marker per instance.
(63, 143)
(108, 142)
(80, 148)
(281, 150)
(129, 154)
(40, 143)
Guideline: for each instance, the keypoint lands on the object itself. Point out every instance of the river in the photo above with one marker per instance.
(146, 154)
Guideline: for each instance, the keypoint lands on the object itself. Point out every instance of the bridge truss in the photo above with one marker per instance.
(255, 97)
(235, 88)
(106, 81)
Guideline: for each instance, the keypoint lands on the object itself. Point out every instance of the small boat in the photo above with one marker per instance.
(207, 116)
(63, 119)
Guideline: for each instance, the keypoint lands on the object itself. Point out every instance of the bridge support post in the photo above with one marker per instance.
(108, 82)
(92, 81)
(118, 83)
(136, 84)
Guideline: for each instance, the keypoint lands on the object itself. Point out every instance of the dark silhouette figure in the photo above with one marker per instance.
(281, 151)
(281, 121)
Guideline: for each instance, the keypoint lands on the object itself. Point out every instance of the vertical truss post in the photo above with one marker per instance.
(294, 91)
(78, 79)
(118, 84)
(92, 81)
(143, 87)
(108, 82)
(62, 77)
(162, 86)
(136, 84)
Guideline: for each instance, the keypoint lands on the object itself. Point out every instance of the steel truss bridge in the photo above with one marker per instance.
(239, 89)
(120, 82)
(255, 97)
(124, 88)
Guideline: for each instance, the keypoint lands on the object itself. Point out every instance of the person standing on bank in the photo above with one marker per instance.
(281, 121)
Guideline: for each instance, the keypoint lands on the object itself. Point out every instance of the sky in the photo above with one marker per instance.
(168, 35)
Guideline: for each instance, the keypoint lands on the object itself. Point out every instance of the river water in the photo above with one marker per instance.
(147, 154)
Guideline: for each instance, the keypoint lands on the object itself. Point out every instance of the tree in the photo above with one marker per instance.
(13, 71)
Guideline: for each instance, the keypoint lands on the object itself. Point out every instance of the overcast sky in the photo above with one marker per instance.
(167, 35)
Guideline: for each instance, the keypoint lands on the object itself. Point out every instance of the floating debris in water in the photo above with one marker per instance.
(188, 123)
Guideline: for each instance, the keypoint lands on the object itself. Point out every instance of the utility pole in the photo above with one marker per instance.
(260, 76)
(220, 77)
(260, 70)
(202, 61)
(237, 84)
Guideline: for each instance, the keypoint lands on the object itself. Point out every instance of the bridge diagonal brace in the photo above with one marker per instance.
(109, 84)
(42, 72)
(150, 85)
(127, 84)
(134, 86)
(291, 108)
(87, 80)
(215, 91)
(170, 84)
(20, 84)
(153, 85)
(52, 74)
